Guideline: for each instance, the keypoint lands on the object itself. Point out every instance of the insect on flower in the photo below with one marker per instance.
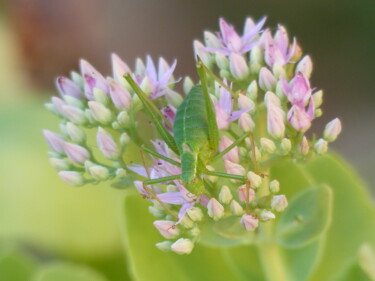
(195, 135)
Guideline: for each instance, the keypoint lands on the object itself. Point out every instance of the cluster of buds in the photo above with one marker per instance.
(264, 104)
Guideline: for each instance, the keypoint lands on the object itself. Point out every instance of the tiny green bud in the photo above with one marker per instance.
(195, 214)
(253, 90)
(120, 173)
(278, 71)
(236, 208)
(286, 146)
(100, 113)
(101, 96)
(266, 215)
(164, 246)
(317, 98)
(98, 172)
(321, 146)
(188, 84)
(75, 133)
(73, 101)
(304, 146)
(72, 178)
(186, 222)
(222, 61)
(59, 164)
(195, 232)
(124, 119)
(156, 211)
(215, 209)
(182, 246)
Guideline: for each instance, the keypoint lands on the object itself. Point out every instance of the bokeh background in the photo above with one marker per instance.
(40, 39)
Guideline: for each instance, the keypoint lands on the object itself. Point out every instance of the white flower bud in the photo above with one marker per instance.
(75, 133)
(245, 102)
(186, 222)
(236, 208)
(188, 84)
(215, 209)
(222, 61)
(274, 186)
(200, 50)
(233, 168)
(124, 119)
(305, 66)
(225, 195)
(286, 146)
(59, 164)
(266, 216)
(124, 139)
(74, 114)
(76, 153)
(256, 55)
(279, 203)
(255, 180)
(332, 130)
(72, 178)
(107, 145)
(74, 102)
(99, 172)
(249, 222)
(211, 40)
(167, 228)
(267, 145)
(278, 71)
(100, 96)
(195, 214)
(321, 146)
(100, 113)
(182, 246)
(238, 66)
(253, 90)
(164, 246)
(317, 98)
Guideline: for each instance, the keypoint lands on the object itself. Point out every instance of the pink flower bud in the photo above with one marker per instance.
(65, 86)
(245, 194)
(72, 178)
(119, 68)
(92, 79)
(233, 168)
(275, 121)
(249, 222)
(167, 228)
(182, 246)
(304, 146)
(74, 114)
(120, 96)
(107, 145)
(266, 80)
(245, 102)
(225, 195)
(75, 133)
(200, 50)
(76, 153)
(332, 130)
(233, 154)
(305, 66)
(299, 119)
(279, 203)
(215, 209)
(238, 66)
(55, 141)
(58, 105)
(246, 123)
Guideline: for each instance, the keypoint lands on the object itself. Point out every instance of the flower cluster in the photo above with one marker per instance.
(264, 105)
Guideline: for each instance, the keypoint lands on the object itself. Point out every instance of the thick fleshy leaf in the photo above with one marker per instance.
(149, 263)
(66, 271)
(15, 265)
(306, 218)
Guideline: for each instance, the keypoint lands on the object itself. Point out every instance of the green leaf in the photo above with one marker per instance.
(15, 265)
(149, 263)
(306, 218)
(353, 220)
(67, 271)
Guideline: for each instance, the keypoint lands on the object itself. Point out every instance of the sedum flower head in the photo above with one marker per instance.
(263, 103)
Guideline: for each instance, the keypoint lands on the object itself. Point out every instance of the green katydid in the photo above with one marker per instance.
(195, 134)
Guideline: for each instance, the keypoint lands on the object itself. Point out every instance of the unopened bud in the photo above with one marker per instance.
(76, 153)
(299, 119)
(267, 145)
(278, 71)
(236, 208)
(124, 139)
(100, 96)
(266, 80)
(279, 203)
(233, 154)
(72, 178)
(195, 214)
(304, 146)
(74, 101)
(246, 194)
(274, 186)
(266, 216)
(188, 84)
(211, 40)
(253, 90)
(256, 55)
(233, 168)
(249, 222)
(99, 172)
(157, 211)
(55, 141)
(200, 50)
(107, 145)
(74, 114)
(286, 146)
(67, 87)
(124, 119)
(332, 130)
(182, 246)
(255, 180)
(245, 102)
(305, 66)
(75, 133)
(120, 96)
(225, 195)
(100, 113)
(238, 66)
(317, 98)
(186, 222)
(246, 123)
(222, 61)
(164, 246)
(215, 209)
(59, 164)
(321, 146)
(167, 228)
(212, 179)
(120, 173)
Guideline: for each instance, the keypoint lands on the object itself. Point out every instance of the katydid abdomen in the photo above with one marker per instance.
(191, 132)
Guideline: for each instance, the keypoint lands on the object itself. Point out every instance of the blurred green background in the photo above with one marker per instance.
(40, 39)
